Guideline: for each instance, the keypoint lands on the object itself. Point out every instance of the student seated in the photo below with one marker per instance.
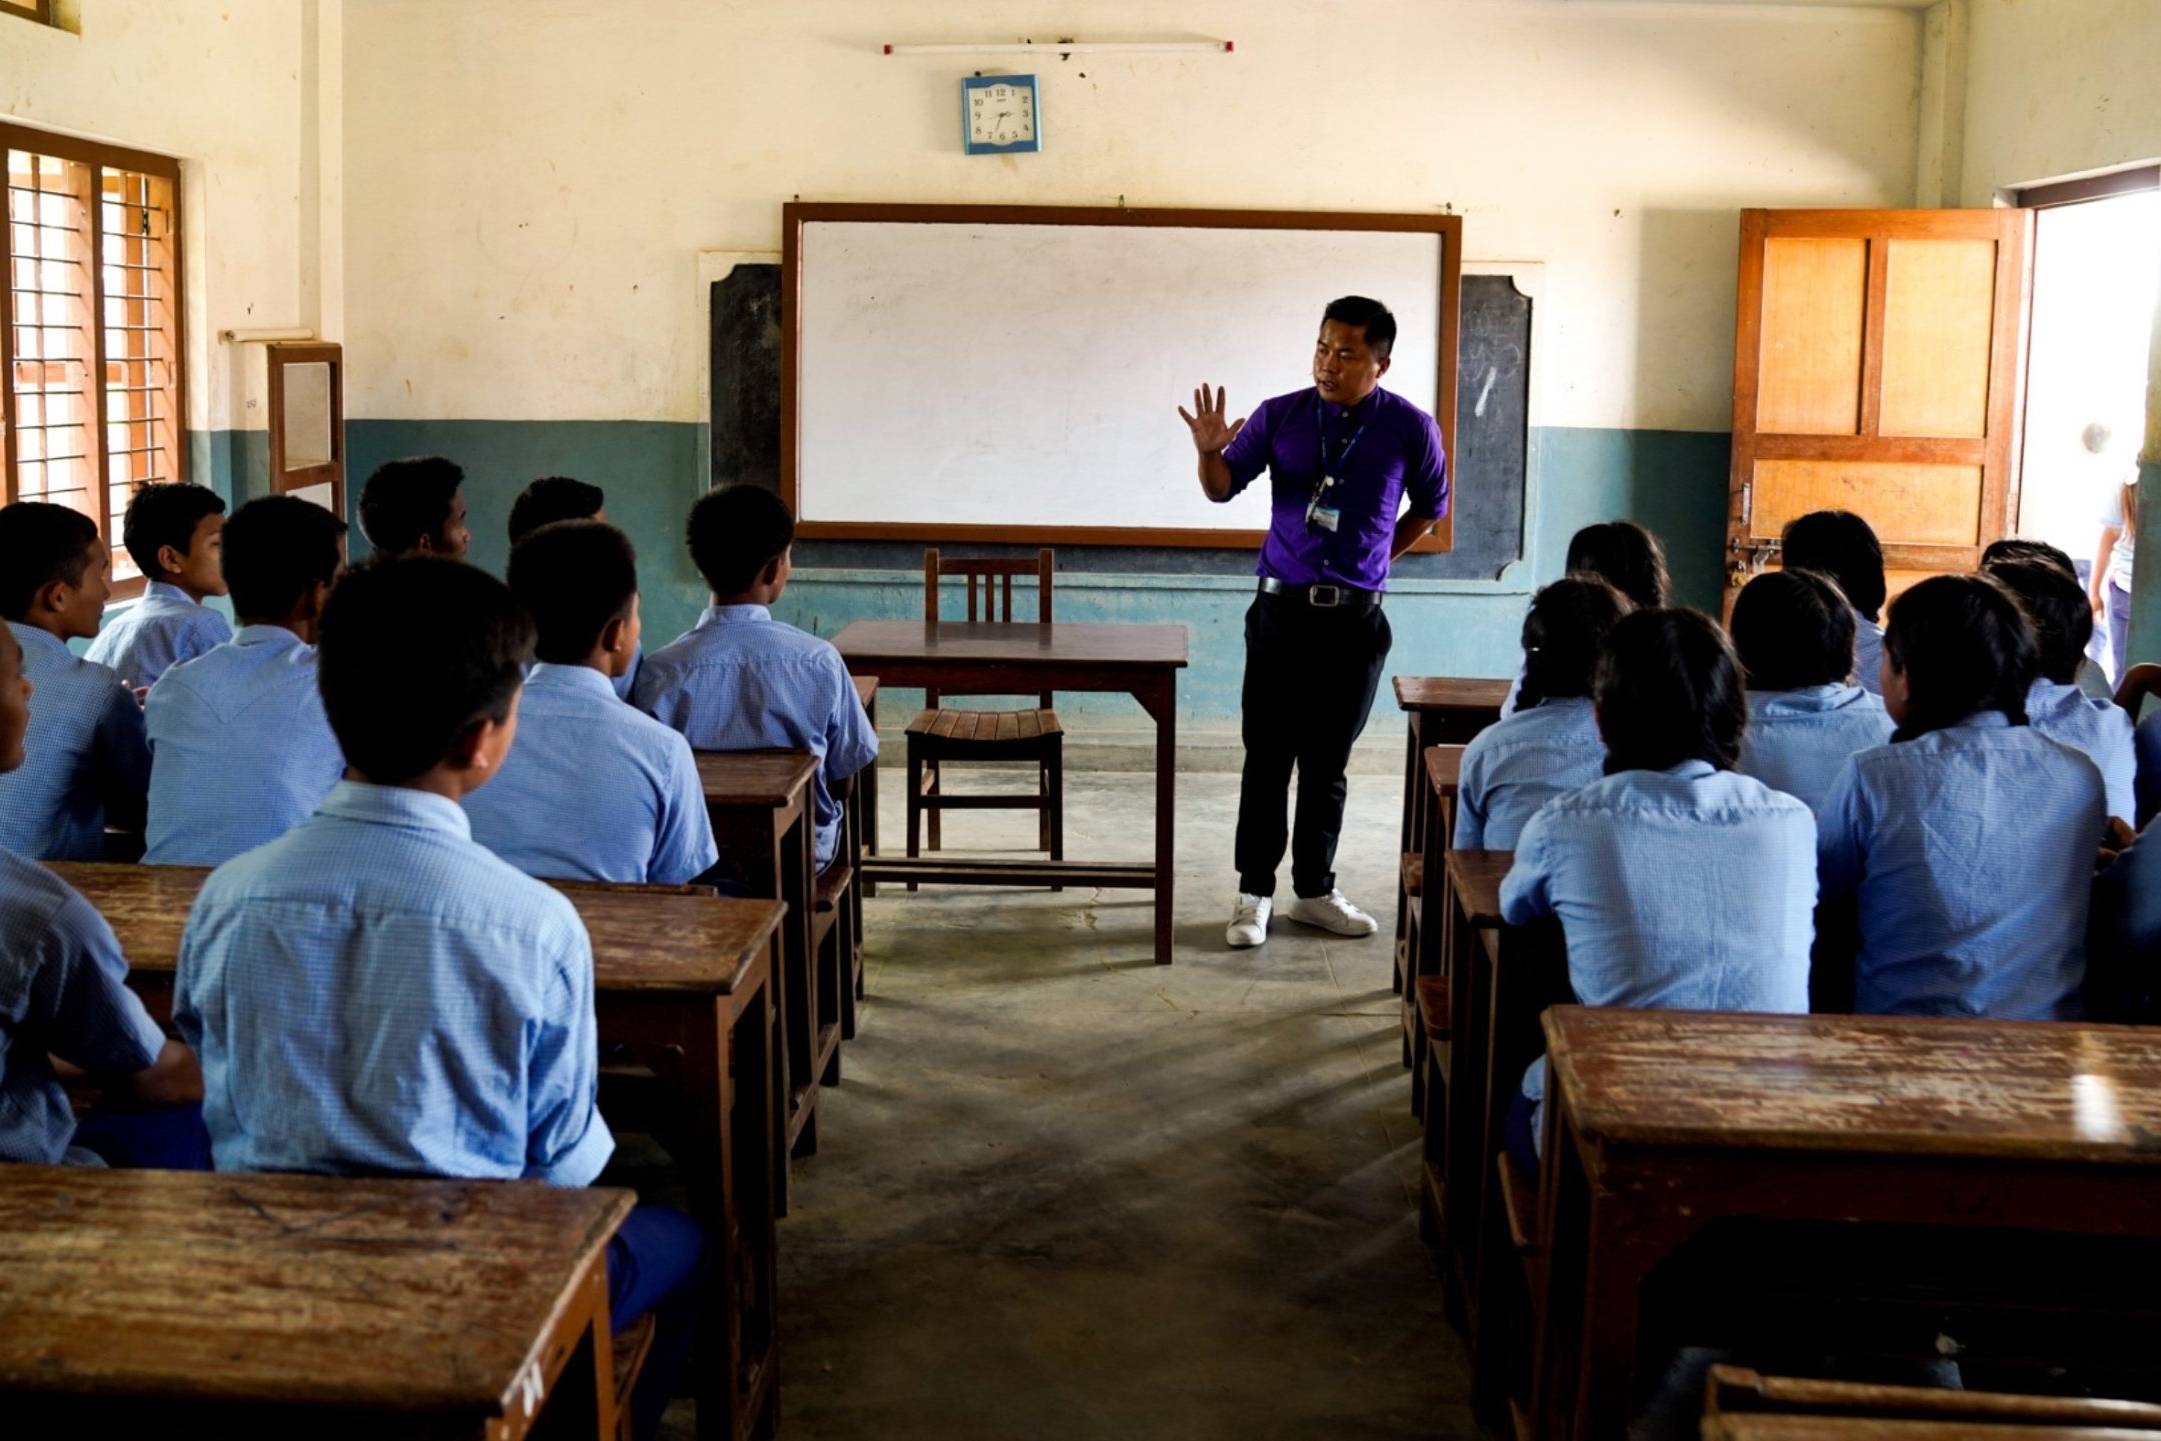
(2062, 621)
(1679, 883)
(413, 507)
(1841, 545)
(558, 497)
(2092, 679)
(1967, 843)
(88, 760)
(240, 750)
(374, 993)
(1625, 556)
(1550, 746)
(64, 996)
(595, 790)
(1794, 633)
(174, 534)
(740, 680)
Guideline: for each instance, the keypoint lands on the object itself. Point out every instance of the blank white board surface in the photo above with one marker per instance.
(1016, 375)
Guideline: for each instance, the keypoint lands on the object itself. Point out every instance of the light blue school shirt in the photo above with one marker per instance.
(740, 680)
(1798, 740)
(2100, 730)
(593, 790)
(2146, 746)
(625, 683)
(1513, 767)
(1970, 851)
(1867, 655)
(63, 992)
(85, 749)
(373, 992)
(240, 750)
(163, 628)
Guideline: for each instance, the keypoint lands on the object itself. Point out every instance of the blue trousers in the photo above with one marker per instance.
(1520, 1135)
(656, 1263)
(159, 1138)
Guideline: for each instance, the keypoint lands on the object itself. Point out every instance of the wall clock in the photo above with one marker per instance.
(998, 114)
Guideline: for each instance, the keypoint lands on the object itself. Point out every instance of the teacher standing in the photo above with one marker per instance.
(1342, 456)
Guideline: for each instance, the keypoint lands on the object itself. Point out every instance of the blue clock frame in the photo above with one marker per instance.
(969, 85)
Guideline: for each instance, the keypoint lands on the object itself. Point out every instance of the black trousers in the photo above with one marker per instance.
(1310, 679)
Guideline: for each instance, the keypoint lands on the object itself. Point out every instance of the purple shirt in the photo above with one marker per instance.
(1393, 447)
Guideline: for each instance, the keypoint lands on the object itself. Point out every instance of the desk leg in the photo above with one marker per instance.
(1413, 781)
(868, 790)
(1160, 700)
(799, 961)
(581, 1404)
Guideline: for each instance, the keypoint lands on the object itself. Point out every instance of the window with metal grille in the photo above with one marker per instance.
(92, 407)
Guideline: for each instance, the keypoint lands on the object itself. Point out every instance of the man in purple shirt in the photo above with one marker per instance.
(1342, 458)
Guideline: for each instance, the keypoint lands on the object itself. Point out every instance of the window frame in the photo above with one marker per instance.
(37, 12)
(2130, 180)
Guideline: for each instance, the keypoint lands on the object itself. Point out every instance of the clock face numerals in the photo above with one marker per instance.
(1001, 114)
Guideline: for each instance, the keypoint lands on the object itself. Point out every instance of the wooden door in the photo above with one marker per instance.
(1878, 360)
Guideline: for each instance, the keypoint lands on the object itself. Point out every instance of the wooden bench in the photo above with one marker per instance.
(1438, 710)
(1426, 911)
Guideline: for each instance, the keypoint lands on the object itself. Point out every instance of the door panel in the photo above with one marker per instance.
(1909, 505)
(1937, 323)
(1814, 300)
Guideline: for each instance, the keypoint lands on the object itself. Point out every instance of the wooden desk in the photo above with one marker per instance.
(1660, 1123)
(167, 1303)
(1423, 913)
(1142, 661)
(685, 980)
(1736, 1397)
(1439, 710)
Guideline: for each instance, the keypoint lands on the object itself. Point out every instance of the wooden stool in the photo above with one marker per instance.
(1431, 1090)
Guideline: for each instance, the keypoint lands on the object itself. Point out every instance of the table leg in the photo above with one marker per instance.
(868, 791)
(799, 960)
(1413, 780)
(1161, 702)
(580, 1405)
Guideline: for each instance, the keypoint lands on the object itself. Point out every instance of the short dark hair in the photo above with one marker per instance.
(1567, 623)
(1793, 629)
(1963, 646)
(1374, 319)
(415, 651)
(1844, 547)
(277, 549)
(408, 499)
(2057, 609)
(166, 514)
(1669, 690)
(552, 498)
(2020, 548)
(574, 576)
(39, 544)
(1624, 555)
(736, 532)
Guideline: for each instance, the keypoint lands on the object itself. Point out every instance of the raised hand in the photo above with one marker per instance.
(1211, 432)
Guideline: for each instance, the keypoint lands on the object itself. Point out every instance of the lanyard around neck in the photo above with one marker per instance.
(1320, 440)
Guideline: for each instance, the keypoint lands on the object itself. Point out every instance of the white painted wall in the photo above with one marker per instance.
(528, 182)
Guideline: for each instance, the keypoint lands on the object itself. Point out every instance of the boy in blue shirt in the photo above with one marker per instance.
(559, 497)
(740, 680)
(1793, 631)
(1841, 545)
(596, 790)
(240, 750)
(174, 534)
(413, 507)
(88, 762)
(2056, 606)
(373, 992)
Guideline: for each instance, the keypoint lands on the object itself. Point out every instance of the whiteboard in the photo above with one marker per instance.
(1024, 376)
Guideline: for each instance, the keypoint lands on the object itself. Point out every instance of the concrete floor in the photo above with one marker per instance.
(1065, 1192)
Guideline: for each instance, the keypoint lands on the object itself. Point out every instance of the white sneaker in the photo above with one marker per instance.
(1249, 921)
(1332, 913)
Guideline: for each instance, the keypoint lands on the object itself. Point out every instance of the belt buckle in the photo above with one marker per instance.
(1334, 596)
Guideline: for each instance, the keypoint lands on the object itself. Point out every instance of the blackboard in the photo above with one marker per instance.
(746, 377)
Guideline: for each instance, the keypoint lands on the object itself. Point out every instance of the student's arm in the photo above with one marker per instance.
(2097, 584)
(1527, 889)
(683, 847)
(80, 1008)
(123, 760)
(850, 741)
(1470, 806)
(567, 1143)
(1427, 488)
(1842, 837)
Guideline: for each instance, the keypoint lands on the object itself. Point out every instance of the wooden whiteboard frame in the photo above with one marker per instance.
(795, 215)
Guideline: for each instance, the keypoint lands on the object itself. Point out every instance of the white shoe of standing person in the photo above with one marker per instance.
(1332, 912)
(1249, 921)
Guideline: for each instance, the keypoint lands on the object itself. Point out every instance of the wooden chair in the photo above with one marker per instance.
(2139, 681)
(938, 735)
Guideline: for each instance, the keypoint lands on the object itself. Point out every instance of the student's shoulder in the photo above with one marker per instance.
(1747, 796)
(32, 898)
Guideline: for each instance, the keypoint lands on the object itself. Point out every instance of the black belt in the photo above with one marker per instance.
(1324, 597)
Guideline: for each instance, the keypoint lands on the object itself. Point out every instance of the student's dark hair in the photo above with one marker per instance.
(39, 544)
(1669, 690)
(407, 499)
(415, 651)
(277, 549)
(1844, 547)
(1964, 646)
(166, 514)
(1624, 555)
(552, 498)
(574, 576)
(735, 532)
(1374, 319)
(2057, 609)
(1567, 624)
(2019, 548)
(1793, 629)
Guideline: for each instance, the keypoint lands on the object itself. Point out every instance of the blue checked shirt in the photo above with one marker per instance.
(85, 750)
(1798, 740)
(2100, 730)
(63, 993)
(374, 992)
(1970, 852)
(740, 680)
(1867, 655)
(593, 790)
(1515, 766)
(240, 750)
(160, 630)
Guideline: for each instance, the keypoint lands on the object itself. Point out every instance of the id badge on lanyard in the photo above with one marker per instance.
(1321, 514)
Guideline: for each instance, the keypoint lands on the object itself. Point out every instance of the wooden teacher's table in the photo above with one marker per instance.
(1142, 661)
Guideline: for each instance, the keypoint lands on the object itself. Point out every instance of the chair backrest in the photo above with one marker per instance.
(990, 592)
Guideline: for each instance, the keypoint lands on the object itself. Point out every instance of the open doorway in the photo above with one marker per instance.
(2096, 279)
